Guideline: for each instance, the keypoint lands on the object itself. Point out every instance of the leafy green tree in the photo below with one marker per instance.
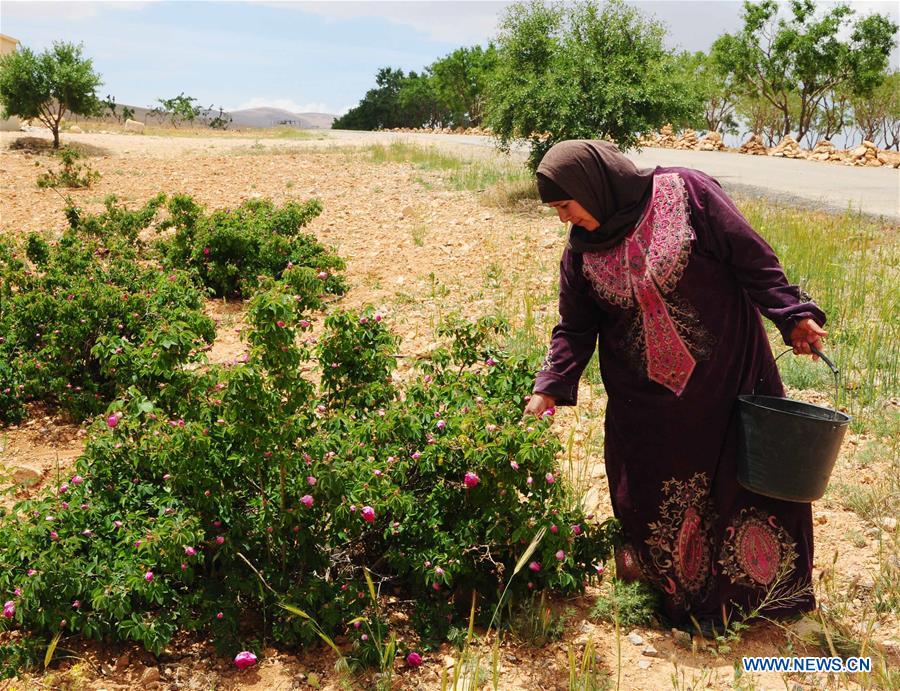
(460, 80)
(127, 113)
(179, 109)
(379, 108)
(48, 85)
(714, 87)
(833, 114)
(583, 71)
(878, 115)
(418, 102)
(805, 54)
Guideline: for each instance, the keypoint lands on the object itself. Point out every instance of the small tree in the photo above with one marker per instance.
(48, 85)
(179, 109)
(878, 115)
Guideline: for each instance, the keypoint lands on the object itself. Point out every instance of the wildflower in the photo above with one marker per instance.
(244, 659)
(377, 472)
(190, 551)
(490, 362)
(63, 488)
(279, 324)
(9, 609)
(377, 317)
(471, 480)
(513, 465)
(322, 275)
(549, 478)
(77, 480)
(310, 480)
(219, 615)
(414, 659)
(560, 556)
(363, 320)
(76, 604)
(307, 500)
(118, 524)
(166, 477)
(368, 514)
(576, 529)
(54, 535)
(529, 481)
(416, 455)
(535, 566)
(441, 424)
(112, 421)
(436, 585)
(87, 532)
(491, 427)
(220, 539)
(438, 571)
(148, 576)
(550, 412)
(554, 529)
(364, 637)
(32, 572)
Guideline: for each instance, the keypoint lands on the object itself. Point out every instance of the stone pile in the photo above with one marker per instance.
(754, 146)
(867, 154)
(688, 140)
(666, 138)
(711, 141)
(826, 151)
(788, 148)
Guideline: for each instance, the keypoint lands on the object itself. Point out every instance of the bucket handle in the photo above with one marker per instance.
(834, 370)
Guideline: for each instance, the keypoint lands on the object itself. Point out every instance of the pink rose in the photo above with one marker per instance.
(560, 556)
(307, 500)
(220, 539)
(9, 609)
(148, 576)
(535, 566)
(549, 478)
(112, 421)
(471, 480)
(190, 551)
(310, 480)
(554, 529)
(244, 659)
(368, 514)
(77, 480)
(414, 659)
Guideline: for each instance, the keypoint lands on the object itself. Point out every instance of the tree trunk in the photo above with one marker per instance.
(56, 136)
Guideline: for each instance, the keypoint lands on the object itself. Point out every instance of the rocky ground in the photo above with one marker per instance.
(416, 250)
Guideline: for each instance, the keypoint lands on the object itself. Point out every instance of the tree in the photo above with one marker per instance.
(379, 108)
(714, 87)
(48, 85)
(582, 71)
(878, 115)
(460, 82)
(179, 109)
(418, 103)
(833, 114)
(804, 54)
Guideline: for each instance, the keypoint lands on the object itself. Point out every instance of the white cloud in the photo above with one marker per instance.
(68, 10)
(457, 22)
(287, 104)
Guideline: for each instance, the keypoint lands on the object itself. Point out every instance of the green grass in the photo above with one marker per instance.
(850, 264)
(473, 174)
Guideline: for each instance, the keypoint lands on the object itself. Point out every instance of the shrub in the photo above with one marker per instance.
(440, 490)
(230, 249)
(72, 174)
(77, 315)
(634, 603)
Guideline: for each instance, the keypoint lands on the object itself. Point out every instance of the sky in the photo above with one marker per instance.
(300, 56)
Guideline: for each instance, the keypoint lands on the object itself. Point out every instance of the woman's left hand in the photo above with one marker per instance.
(807, 335)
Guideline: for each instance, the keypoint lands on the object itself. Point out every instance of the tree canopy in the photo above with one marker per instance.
(47, 85)
(584, 71)
(796, 63)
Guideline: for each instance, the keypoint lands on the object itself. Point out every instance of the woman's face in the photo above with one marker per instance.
(570, 210)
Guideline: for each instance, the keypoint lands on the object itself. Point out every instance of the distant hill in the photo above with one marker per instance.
(269, 117)
(250, 117)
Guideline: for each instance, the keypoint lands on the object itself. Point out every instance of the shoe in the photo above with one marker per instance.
(707, 628)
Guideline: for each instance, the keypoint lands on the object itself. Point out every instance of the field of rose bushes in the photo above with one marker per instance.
(294, 397)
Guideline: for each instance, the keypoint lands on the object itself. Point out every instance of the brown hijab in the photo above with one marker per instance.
(604, 182)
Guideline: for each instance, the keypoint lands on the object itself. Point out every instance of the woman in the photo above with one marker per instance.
(667, 279)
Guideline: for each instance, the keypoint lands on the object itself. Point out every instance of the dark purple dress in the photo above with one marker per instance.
(674, 311)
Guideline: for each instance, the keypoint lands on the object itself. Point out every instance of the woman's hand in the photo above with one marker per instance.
(807, 335)
(539, 403)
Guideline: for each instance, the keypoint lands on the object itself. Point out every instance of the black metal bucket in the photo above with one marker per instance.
(788, 448)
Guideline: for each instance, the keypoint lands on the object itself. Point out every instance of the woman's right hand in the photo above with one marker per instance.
(539, 403)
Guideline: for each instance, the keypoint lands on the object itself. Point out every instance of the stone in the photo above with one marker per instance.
(643, 664)
(635, 638)
(25, 477)
(889, 524)
(150, 676)
(123, 662)
(75, 129)
(682, 638)
(134, 126)
(650, 651)
(408, 212)
(858, 152)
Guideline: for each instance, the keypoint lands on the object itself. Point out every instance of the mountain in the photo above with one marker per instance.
(269, 117)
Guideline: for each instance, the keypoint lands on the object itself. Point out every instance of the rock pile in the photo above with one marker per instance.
(688, 140)
(788, 148)
(711, 141)
(754, 146)
(866, 154)
(666, 138)
(826, 151)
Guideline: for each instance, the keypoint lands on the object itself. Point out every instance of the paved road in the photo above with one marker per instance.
(874, 191)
